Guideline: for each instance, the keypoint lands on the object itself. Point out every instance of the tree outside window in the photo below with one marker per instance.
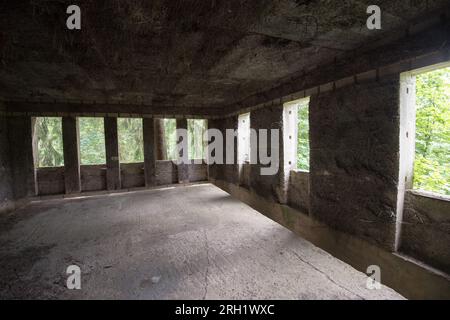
(432, 159)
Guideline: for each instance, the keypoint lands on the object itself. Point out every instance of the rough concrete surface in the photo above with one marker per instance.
(6, 185)
(192, 242)
(20, 137)
(354, 161)
(266, 185)
(94, 177)
(201, 52)
(298, 190)
(426, 229)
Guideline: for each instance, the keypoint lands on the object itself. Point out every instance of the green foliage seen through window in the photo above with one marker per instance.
(49, 142)
(432, 161)
(131, 140)
(196, 129)
(92, 141)
(303, 135)
(170, 136)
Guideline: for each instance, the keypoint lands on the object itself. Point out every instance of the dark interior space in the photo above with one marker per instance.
(108, 131)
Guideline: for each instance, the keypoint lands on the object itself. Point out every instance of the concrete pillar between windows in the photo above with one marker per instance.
(21, 130)
(113, 179)
(149, 151)
(183, 169)
(160, 140)
(71, 142)
(35, 158)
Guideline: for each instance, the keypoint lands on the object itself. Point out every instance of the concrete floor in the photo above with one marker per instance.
(192, 242)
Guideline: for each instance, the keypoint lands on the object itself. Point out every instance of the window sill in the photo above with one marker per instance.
(429, 194)
(299, 171)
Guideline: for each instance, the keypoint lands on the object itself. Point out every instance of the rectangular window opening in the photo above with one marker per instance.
(49, 142)
(92, 141)
(131, 140)
(196, 145)
(170, 138)
(303, 135)
(296, 134)
(432, 126)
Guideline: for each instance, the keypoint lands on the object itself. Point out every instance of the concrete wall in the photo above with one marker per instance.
(50, 181)
(354, 141)
(132, 175)
(166, 172)
(267, 186)
(197, 172)
(224, 171)
(244, 175)
(426, 229)
(248, 175)
(298, 191)
(6, 182)
(17, 175)
(22, 180)
(20, 137)
(353, 184)
(93, 177)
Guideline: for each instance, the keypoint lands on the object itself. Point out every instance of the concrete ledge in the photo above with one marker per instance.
(426, 228)
(89, 194)
(410, 278)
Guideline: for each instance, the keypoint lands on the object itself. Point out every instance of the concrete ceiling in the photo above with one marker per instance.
(205, 53)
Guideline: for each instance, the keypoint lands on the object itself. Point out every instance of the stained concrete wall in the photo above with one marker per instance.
(244, 175)
(267, 186)
(226, 172)
(20, 136)
(354, 161)
(6, 182)
(249, 175)
(216, 170)
(353, 181)
(426, 229)
(132, 175)
(347, 203)
(166, 172)
(197, 172)
(353, 184)
(17, 174)
(354, 141)
(298, 191)
(50, 181)
(93, 177)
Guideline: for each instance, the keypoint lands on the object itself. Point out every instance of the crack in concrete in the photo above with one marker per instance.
(207, 267)
(326, 275)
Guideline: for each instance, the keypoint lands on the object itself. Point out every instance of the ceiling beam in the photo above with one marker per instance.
(62, 108)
